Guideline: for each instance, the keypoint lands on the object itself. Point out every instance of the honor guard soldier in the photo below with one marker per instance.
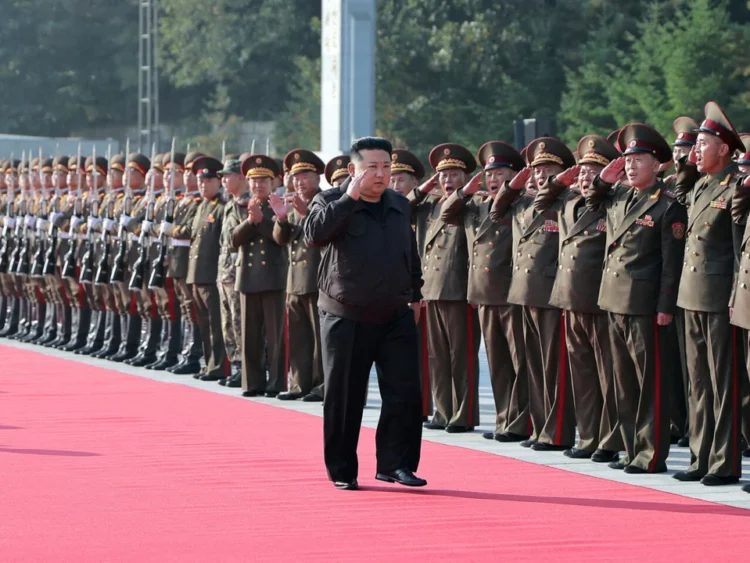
(44, 284)
(645, 228)
(490, 266)
(704, 293)
(535, 241)
(235, 212)
(205, 235)
(582, 244)
(303, 321)
(179, 259)
(453, 336)
(407, 171)
(337, 171)
(261, 280)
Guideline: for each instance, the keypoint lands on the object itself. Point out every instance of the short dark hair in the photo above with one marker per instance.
(369, 144)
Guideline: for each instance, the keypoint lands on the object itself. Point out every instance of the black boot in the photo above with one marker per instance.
(11, 323)
(78, 340)
(148, 355)
(50, 325)
(112, 344)
(75, 315)
(192, 353)
(161, 348)
(129, 348)
(65, 318)
(40, 314)
(170, 357)
(96, 338)
(33, 323)
(24, 319)
(4, 301)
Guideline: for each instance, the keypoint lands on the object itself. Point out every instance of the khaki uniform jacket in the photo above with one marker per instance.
(262, 263)
(740, 298)
(535, 247)
(582, 243)
(443, 249)
(644, 249)
(708, 269)
(235, 212)
(490, 247)
(205, 234)
(304, 260)
(179, 256)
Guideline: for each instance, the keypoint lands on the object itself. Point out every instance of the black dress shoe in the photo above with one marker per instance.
(223, 381)
(142, 361)
(209, 377)
(510, 437)
(451, 429)
(527, 443)
(605, 456)
(545, 447)
(674, 440)
(635, 470)
(575, 453)
(683, 442)
(688, 476)
(289, 396)
(746, 453)
(433, 426)
(746, 488)
(312, 398)
(188, 368)
(346, 485)
(252, 393)
(717, 481)
(616, 465)
(402, 477)
(272, 394)
(488, 435)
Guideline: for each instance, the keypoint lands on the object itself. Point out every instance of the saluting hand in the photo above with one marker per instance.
(613, 171)
(430, 184)
(569, 176)
(665, 166)
(473, 185)
(353, 190)
(693, 157)
(279, 207)
(519, 180)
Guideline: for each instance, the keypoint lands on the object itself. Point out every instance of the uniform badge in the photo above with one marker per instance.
(550, 227)
(394, 158)
(720, 203)
(601, 226)
(678, 230)
(647, 221)
(210, 218)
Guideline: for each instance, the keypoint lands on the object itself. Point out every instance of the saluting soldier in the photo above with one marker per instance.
(235, 212)
(645, 228)
(179, 259)
(337, 170)
(205, 235)
(261, 280)
(490, 267)
(535, 242)
(303, 322)
(704, 293)
(407, 171)
(452, 324)
(582, 242)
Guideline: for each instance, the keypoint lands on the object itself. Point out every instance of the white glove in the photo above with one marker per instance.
(146, 226)
(10, 222)
(29, 220)
(166, 228)
(107, 225)
(54, 216)
(125, 221)
(94, 222)
(75, 222)
(41, 224)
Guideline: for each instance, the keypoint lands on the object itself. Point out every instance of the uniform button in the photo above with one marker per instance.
(684, 263)
(518, 267)
(519, 254)
(565, 242)
(562, 255)
(304, 261)
(492, 244)
(559, 267)
(304, 250)
(586, 233)
(294, 263)
(630, 234)
(476, 229)
(497, 232)
(264, 262)
(695, 254)
(617, 275)
(486, 269)
(743, 285)
(252, 244)
(427, 257)
(262, 251)
(261, 241)
(437, 257)
(692, 268)
(476, 242)
(607, 270)
(707, 224)
(568, 269)
(476, 254)
(619, 258)
(473, 266)
(688, 233)
(250, 265)
(527, 270)
(531, 257)
(252, 254)
(488, 256)
(434, 268)
(522, 239)
(425, 268)
(429, 247)
(573, 257)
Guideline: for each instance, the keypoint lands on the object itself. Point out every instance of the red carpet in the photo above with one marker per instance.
(101, 466)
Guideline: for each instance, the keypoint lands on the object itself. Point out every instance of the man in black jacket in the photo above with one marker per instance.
(369, 281)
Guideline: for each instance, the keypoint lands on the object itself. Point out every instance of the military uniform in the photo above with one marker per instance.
(205, 234)
(303, 321)
(490, 267)
(453, 334)
(705, 291)
(535, 248)
(337, 170)
(582, 240)
(641, 275)
(261, 280)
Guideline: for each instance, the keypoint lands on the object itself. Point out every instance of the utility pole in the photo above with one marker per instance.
(148, 74)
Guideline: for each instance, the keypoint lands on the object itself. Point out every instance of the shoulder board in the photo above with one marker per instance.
(725, 181)
(668, 193)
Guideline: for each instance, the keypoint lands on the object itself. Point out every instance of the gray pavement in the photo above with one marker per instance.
(679, 458)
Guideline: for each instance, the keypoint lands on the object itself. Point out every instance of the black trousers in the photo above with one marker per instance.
(349, 350)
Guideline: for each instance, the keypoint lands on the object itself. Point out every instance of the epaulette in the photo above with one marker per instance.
(669, 193)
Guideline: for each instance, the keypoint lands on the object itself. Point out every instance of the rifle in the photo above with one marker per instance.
(102, 271)
(159, 266)
(20, 218)
(120, 261)
(50, 257)
(69, 261)
(37, 262)
(139, 268)
(87, 263)
(10, 214)
(23, 254)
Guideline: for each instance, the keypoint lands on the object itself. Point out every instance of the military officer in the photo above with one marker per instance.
(645, 228)
(179, 258)
(704, 293)
(235, 212)
(582, 241)
(490, 266)
(337, 171)
(453, 336)
(205, 235)
(303, 323)
(261, 280)
(535, 241)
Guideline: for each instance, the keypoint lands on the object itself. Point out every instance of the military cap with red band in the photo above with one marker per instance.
(48, 165)
(207, 167)
(303, 160)
(449, 156)
(637, 138)
(403, 160)
(190, 159)
(548, 150)
(593, 149)
(118, 162)
(337, 167)
(716, 123)
(101, 165)
(685, 131)
(139, 162)
(259, 166)
(497, 154)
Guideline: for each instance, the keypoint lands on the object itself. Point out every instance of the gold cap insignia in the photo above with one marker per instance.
(394, 156)
(592, 144)
(338, 162)
(542, 146)
(632, 143)
(258, 160)
(296, 156)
